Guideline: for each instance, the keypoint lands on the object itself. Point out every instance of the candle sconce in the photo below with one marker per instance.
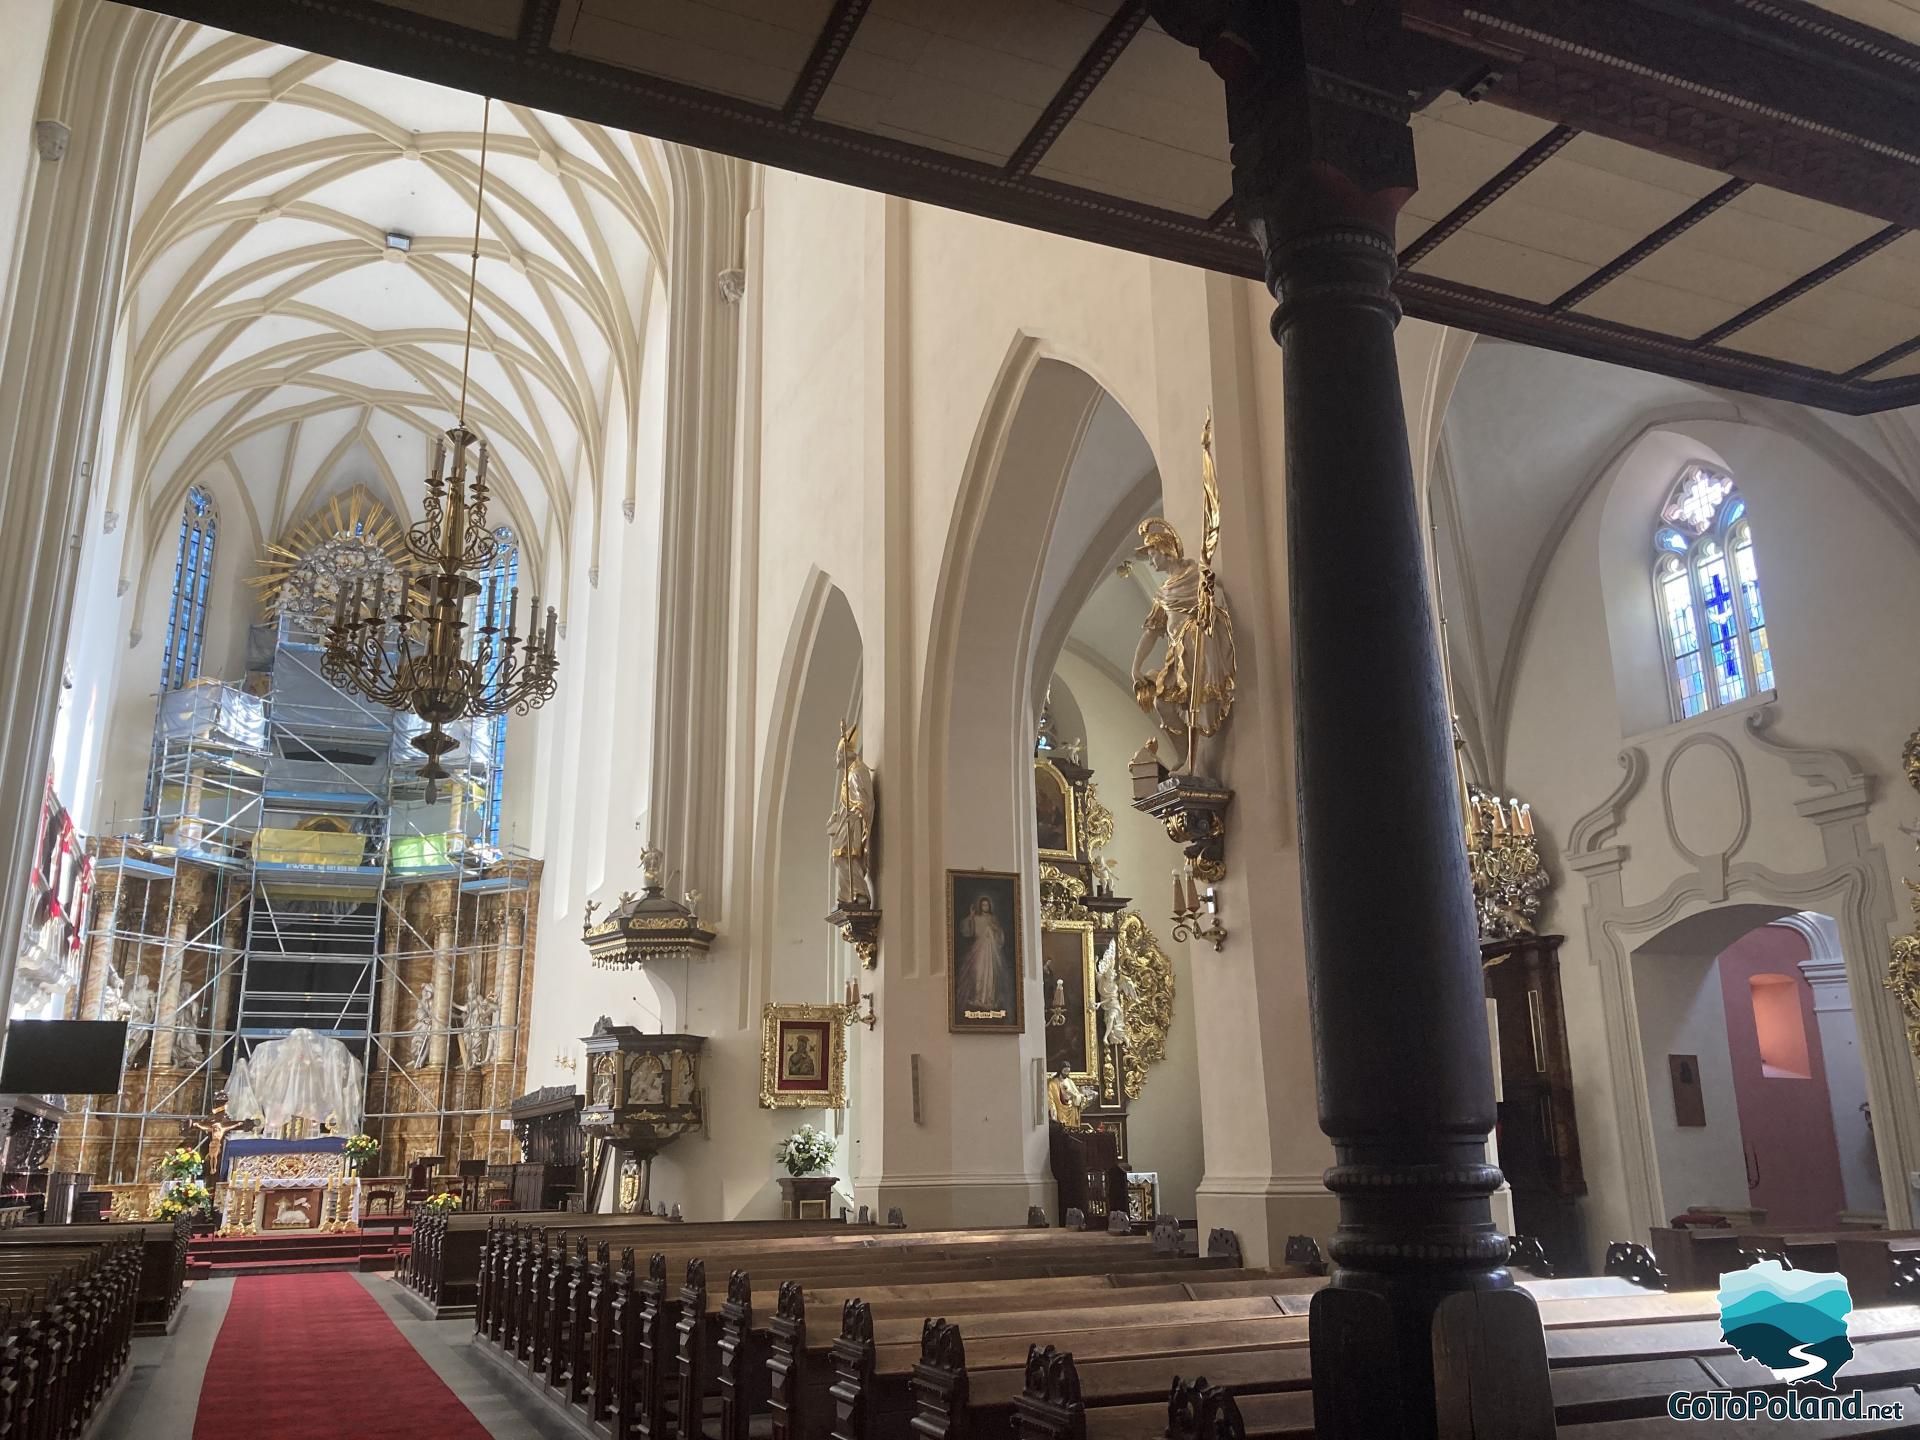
(564, 1061)
(852, 1004)
(1191, 906)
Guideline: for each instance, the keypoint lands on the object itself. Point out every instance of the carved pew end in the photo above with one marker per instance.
(1199, 1411)
(1304, 1251)
(1223, 1245)
(1049, 1406)
(1628, 1260)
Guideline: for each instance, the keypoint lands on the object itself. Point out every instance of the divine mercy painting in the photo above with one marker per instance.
(983, 950)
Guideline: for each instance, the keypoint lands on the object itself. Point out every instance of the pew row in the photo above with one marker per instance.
(615, 1345)
(67, 1317)
(1615, 1361)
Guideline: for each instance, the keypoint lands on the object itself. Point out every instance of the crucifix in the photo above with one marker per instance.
(217, 1126)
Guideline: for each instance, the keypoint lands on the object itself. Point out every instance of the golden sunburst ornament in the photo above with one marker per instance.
(352, 539)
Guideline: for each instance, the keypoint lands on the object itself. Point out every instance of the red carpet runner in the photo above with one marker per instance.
(314, 1355)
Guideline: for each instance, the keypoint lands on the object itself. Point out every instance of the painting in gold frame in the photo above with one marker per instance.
(1067, 984)
(984, 980)
(1055, 824)
(803, 1057)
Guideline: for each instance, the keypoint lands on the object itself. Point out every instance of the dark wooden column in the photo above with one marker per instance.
(1323, 160)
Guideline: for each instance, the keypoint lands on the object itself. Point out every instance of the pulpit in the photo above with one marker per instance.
(643, 1093)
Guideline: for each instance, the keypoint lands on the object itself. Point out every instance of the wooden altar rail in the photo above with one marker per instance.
(443, 1262)
(627, 1351)
(66, 1327)
(163, 1259)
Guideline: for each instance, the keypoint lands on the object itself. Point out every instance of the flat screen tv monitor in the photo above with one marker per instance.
(63, 1057)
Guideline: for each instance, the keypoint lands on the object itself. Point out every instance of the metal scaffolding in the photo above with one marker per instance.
(291, 869)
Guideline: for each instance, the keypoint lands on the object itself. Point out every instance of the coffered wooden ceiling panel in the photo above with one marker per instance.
(1722, 191)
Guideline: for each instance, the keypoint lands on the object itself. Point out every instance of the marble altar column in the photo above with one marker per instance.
(446, 914)
(1420, 1331)
(189, 894)
(103, 917)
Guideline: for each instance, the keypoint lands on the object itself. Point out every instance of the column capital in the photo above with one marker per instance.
(1318, 105)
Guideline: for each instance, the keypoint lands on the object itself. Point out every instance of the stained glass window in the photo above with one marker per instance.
(1683, 637)
(498, 587)
(1707, 589)
(192, 579)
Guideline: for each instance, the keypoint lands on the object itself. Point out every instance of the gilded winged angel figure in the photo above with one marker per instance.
(1190, 691)
(850, 826)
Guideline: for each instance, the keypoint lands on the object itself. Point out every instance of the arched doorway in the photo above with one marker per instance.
(1754, 1070)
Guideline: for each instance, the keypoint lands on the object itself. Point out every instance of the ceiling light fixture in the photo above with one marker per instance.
(403, 644)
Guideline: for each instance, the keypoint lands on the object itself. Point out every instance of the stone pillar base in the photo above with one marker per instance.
(1263, 1213)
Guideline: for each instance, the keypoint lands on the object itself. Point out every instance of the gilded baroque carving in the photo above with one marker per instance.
(1150, 1009)
(1903, 965)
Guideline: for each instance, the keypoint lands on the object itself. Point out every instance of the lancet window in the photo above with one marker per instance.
(496, 596)
(1706, 581)
(192, 578)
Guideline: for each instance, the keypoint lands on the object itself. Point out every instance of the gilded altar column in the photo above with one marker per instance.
(189, 893)
(1419, 1299)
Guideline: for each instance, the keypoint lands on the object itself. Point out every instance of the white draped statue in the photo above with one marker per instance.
(305, 1076)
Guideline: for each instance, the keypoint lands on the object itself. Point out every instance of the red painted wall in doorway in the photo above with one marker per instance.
(1785, 1123)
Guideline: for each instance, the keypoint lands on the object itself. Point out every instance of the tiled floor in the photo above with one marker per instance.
(163, 1391)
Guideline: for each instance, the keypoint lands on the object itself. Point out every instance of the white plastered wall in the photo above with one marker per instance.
(1791, 801)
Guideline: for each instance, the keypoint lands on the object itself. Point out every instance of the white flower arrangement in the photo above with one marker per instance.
(805, 1152)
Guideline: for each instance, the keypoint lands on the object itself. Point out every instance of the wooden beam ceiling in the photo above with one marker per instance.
(1804, 103)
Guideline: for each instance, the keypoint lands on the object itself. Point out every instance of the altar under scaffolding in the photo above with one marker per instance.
(289, 871)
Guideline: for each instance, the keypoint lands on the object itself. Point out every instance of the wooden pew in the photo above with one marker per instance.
(65, 1331)
(1616, 1360)
(163, 1271)
(1695, 1259)
(616, 1342)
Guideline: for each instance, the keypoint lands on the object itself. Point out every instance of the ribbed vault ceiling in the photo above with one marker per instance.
(274, 334)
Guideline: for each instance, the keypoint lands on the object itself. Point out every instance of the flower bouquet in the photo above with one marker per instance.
(445, 1203)
(184, 1197)
(805, 1152)
(183, 1164)
(359, 1150)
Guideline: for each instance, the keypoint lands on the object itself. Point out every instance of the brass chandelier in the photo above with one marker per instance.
(404, 644)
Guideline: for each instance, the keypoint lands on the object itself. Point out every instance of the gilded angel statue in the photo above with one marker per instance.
(850, 826)
(1190, 691)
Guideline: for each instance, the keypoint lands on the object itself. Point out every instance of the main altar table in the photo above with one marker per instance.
(287, 1187)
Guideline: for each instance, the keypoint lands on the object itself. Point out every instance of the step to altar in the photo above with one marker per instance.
(216, 1255)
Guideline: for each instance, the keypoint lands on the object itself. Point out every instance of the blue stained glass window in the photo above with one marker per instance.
(1723, 624)
(1707, 589)
(192, 582)
(498, 586)
(1753, 609)
(1683, 638)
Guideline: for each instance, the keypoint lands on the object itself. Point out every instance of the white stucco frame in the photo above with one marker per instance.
(1853, 887)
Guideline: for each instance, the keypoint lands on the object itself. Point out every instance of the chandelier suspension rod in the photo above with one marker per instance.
(473, 268)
